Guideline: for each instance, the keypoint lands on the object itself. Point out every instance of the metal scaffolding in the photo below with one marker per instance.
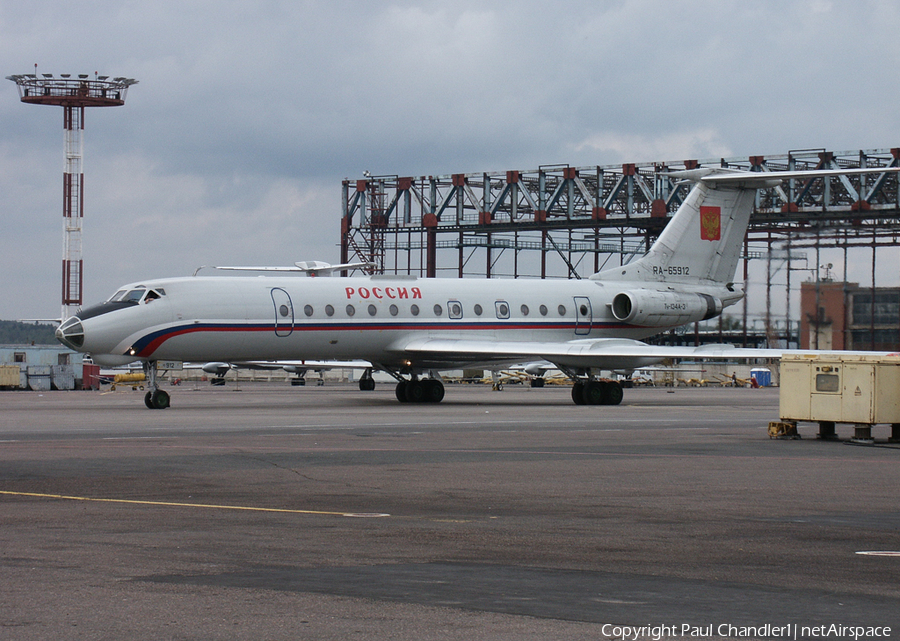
(573, 221)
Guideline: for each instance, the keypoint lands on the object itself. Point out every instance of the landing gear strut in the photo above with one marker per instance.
(155, 399)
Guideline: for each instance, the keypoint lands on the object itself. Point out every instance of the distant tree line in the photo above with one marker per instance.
(16, 333)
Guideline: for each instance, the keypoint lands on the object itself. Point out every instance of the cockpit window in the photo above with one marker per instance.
(136, 295)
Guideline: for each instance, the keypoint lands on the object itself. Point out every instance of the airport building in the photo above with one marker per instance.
(41, 368)
(840, 315)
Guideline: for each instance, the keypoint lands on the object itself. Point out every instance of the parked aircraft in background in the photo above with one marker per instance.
(413, 328)
(300, 368)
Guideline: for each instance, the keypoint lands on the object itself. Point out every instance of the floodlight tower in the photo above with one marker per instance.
(73, 95)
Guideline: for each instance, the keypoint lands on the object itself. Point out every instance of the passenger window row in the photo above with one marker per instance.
(454, 310)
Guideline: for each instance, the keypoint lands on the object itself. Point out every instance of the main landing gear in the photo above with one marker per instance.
(426, 390)
(596, 392)
(411, 389)
(155, 399)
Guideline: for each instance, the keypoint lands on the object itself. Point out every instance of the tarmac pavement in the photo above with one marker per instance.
(277, 512)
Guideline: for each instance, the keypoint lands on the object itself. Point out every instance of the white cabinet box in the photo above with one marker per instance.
(834, 388)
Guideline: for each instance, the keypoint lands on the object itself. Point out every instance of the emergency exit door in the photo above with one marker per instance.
(583, 315)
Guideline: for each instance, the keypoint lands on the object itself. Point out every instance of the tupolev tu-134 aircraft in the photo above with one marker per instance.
(413, 328)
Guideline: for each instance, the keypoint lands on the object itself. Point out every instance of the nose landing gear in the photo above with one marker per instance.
(155, 399)
(158, 400)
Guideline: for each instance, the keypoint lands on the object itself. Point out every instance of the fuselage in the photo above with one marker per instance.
(370, 318)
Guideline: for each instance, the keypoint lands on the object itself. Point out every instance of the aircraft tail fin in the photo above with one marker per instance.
(702, 242)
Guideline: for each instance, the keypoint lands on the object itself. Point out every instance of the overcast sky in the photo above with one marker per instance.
(248, 115)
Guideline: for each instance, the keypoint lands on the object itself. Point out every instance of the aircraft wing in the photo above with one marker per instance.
(612, 353)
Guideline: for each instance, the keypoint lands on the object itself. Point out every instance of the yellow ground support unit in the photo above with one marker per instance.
(134, 380)
(9, 376)
(783, 429)
(834, 388)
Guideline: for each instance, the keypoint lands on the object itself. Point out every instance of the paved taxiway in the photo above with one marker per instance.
(328, 513)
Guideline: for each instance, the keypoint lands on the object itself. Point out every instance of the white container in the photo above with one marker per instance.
(830, 388)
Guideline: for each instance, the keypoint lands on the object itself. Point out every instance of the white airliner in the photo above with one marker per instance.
(412, 328)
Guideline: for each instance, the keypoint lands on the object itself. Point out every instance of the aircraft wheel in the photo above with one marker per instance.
(434, 391)
(159, 399)
(415, 391)
(594, 393)
(147, 400)
(578, 393)
(613, 393)
(401, 391)
(366, 384)
(537, 382)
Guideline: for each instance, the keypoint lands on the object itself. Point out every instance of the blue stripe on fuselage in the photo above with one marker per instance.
(149, 343)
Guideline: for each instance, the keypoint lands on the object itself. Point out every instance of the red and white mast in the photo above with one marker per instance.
(73, 95)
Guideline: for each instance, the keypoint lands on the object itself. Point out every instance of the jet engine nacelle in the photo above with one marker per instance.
(664, 309)
(219, 369)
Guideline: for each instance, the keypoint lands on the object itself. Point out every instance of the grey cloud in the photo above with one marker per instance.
(257, 111)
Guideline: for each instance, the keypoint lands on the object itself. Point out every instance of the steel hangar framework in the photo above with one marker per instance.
(559, 220)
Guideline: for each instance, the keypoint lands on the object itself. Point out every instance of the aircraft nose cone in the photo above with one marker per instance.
(71, 333)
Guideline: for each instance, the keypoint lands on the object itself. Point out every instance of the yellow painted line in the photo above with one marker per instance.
(211, 507)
